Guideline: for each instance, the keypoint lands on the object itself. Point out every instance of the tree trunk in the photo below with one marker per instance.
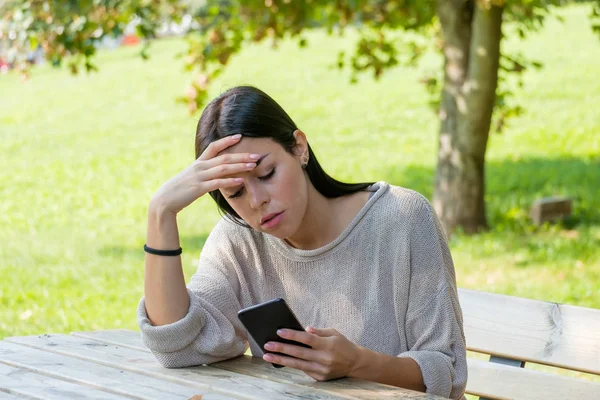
(472, 36)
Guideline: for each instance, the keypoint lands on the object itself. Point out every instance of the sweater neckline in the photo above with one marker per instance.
(307, 255)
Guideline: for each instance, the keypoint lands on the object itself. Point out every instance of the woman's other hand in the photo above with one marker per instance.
(331, 355)
(209, 172)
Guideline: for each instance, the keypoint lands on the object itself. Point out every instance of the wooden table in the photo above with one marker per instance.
(116, 365)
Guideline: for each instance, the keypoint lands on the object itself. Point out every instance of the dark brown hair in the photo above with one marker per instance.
(249, 111)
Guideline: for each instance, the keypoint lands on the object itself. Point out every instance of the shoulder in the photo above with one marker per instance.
(418, 216)
(404, 206)
(398, 213)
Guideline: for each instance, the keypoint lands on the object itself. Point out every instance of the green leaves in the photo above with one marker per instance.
(219, 28)
(595, 17)
(72, 29)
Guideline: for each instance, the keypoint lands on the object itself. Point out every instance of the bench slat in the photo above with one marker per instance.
(531, 330)
(503, 382)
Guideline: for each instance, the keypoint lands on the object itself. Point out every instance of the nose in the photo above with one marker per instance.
(257, 195)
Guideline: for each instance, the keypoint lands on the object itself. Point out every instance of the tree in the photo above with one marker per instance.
(470, 32)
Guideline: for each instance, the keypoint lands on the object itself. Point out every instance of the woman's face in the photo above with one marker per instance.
(273, 197)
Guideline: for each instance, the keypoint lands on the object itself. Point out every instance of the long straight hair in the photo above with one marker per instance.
(252, 113)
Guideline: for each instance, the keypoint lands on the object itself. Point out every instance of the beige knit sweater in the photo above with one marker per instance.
(386, 283)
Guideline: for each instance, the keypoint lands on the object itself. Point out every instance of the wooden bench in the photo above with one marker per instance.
(514, 331)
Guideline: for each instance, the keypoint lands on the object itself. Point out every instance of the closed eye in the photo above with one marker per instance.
(267, 176)
(261, 178)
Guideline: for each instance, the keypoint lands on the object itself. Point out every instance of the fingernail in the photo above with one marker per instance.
(236, 137)
(281, 332)
(255, 156)
(268, 357)
(268, 346)
(251, 165)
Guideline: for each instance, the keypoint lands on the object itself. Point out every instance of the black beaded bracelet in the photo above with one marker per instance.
(162, 252)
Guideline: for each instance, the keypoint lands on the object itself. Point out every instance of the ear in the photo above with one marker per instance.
(301, 146)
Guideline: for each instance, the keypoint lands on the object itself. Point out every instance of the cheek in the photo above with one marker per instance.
(291, 186)
(239, 209)
(294, 194)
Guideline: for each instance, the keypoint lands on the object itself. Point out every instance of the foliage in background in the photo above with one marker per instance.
(71, 30)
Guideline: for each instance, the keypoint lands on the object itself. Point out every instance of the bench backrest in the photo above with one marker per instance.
(515, 330)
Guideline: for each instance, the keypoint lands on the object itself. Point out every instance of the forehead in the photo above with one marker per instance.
(254, 145)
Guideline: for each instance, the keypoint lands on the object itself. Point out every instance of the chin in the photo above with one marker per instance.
(283, 232)
(279, 234)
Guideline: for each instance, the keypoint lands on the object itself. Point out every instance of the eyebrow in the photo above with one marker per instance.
(257, 163)
(260, 159)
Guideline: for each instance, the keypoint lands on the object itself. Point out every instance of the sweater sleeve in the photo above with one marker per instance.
(210, 331)
(433, 325)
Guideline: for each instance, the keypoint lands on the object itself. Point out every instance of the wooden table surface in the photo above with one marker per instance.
(116, 365)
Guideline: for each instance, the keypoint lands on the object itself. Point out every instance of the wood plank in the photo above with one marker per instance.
(133, 340)
(27, 384)
(118, 337)
(504, 382)
(204, 377)
(89, 374)
(8, 396)
(258, 368)
(530, 330)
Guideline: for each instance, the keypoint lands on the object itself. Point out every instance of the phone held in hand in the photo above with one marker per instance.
(263, 320)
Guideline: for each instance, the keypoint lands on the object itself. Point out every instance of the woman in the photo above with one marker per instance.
(366, 263)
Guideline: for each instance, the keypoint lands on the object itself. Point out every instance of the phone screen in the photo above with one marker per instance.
(263, 320)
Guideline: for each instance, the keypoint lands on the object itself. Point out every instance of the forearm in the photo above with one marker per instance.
(166, 296)
(390, 370)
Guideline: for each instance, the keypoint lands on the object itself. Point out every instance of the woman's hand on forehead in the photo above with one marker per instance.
(211, 171)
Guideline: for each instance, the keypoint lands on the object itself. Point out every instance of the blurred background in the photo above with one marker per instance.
(99, 102)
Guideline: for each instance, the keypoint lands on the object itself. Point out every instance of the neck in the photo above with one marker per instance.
(321, 223)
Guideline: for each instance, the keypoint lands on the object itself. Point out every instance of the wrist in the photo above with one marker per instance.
(162, 228)
(361, 362)
(159, 211)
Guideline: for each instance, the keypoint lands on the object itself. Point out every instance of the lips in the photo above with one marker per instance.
(268, 217)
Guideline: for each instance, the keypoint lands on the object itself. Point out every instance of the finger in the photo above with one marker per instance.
(323, 332)
(231, 159)
(303, 365)
(223, 183)
(298, 336)
(218, 146)
(293, 350)
(225, 170)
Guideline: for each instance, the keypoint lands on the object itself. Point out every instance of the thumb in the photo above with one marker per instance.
(324, 332)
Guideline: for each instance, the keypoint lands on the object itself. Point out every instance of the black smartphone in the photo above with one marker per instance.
(263, 320)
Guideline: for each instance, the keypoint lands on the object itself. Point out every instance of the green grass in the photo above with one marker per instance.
(81, 157)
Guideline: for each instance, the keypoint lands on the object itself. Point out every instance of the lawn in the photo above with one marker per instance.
(81, 157)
